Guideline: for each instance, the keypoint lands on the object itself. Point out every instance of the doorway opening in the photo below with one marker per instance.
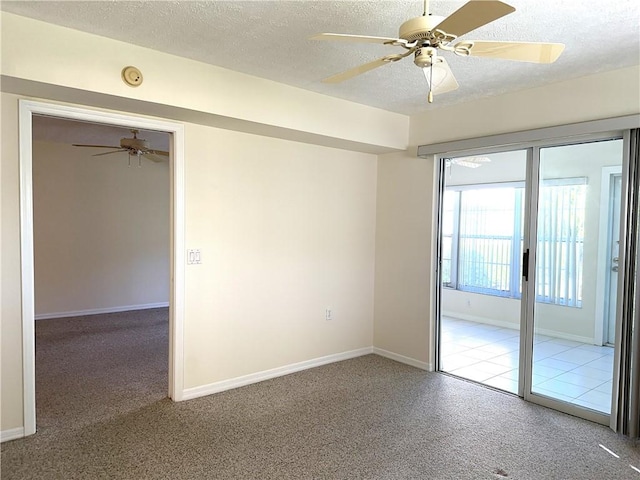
(30, 110)
(101, 271)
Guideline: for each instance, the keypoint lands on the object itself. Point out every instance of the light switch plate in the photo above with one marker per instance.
(193, 256)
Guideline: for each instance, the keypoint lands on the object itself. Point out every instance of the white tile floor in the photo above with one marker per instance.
(562, 369)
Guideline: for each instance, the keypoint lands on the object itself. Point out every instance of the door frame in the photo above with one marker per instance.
(29, 108)
(604, 251)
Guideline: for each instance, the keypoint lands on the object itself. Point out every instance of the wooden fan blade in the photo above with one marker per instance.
(109, 153)
(519, 51)
(443, 79)
(94, 146)
(354, 38)
(153, 157)
(158, 152)
(472, 15)
(340, 77)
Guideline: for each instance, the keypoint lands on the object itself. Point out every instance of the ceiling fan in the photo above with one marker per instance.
(427, 35)
(135, 146)
(469, 162)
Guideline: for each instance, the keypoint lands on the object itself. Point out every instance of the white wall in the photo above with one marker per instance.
(490, 309)
(10, 294)
(286, 230)
(101, 231)
(603, 95)
(403, 281)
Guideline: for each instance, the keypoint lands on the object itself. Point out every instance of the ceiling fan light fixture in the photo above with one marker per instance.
(436, 75)
(439, 77)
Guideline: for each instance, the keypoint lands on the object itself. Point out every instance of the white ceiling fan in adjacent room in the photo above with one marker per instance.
(135, 147)
(427, 36)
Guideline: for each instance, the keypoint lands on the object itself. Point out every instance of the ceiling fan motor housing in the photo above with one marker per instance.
(419, 28)
(134, 144)
(425, 56)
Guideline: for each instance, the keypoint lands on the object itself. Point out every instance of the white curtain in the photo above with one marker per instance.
(560, 244)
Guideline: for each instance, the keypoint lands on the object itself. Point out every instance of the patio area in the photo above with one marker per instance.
(566, 370)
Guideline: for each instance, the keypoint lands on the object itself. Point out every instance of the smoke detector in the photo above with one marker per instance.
(132, 76)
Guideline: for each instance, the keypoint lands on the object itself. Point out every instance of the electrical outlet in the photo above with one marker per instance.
(328, 315)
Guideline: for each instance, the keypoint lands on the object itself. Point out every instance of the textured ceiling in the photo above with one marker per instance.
(269, 39)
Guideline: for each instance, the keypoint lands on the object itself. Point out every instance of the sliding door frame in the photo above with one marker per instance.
(626, 419)
(527, 367)
(441, 159)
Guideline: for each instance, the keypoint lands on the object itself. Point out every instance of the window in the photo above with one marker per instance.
(449, 230)
(482, 238)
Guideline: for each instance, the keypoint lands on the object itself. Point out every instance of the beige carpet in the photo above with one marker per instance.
(101, 383)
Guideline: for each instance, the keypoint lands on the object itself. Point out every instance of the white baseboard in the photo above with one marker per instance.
(504, 324)
(402, 359)
(11, 434)
(566, 336)
(486, 321)
(216, 387)
(97, 311)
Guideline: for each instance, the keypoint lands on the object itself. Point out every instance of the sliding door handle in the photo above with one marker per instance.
(525, 265)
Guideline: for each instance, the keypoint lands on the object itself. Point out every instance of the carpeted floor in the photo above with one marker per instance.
(101, 383)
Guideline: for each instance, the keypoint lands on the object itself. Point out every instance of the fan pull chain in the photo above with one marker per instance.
(430, 97)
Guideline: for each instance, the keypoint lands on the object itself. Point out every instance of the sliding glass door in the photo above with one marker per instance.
(482, 239)
(529, 269)
(576, 254)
